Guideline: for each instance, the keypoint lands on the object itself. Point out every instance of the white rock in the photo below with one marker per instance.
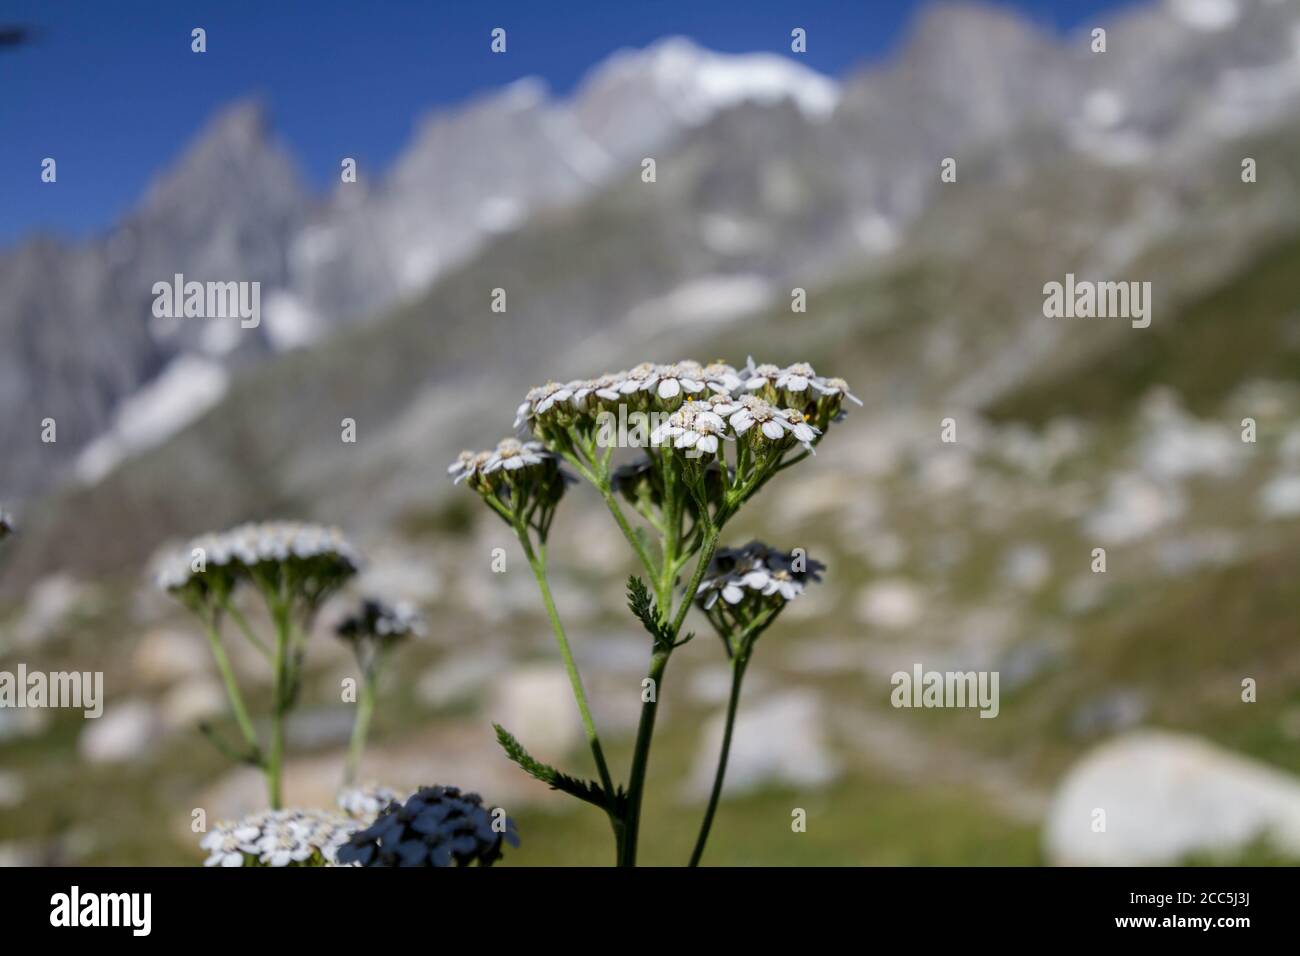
(1026, 567)
(1280, 498)
(890, 603)
(398, 574)
(164, 656)
(1134, 507)
(460, 677)
(1167, 796)
(53, 600)
(780, 741)
(123, 733)
(535, 703)
(192, 701)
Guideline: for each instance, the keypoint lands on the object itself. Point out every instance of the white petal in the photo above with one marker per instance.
(669, 388)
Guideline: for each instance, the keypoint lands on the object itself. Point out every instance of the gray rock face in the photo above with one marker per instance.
(77, 320)
(767, 173)
(1164, 797)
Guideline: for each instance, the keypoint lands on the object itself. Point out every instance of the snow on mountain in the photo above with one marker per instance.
(187, 388)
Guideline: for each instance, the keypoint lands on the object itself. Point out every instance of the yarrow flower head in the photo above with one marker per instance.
(365, 803)
(437, 826)
(520, 479)
(751, 584)
(308, 562)
(376, 627)
(278, 838)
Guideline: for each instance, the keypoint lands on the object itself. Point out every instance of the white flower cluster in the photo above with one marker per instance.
(365, 803)
(385, 623)
(279, 838)
(510, 455)
(704, 402)
(756, 573)
(250, 545)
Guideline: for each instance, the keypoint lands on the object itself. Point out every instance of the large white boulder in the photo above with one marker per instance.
(1166, 796)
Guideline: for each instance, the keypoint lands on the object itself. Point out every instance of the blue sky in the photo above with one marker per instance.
(112, 91)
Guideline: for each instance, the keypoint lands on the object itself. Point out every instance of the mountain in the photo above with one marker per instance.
(77, 319)
(233, 208)
(769, 178)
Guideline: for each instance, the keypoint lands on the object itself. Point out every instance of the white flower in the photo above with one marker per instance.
(760, 376)
(468, 464)
(636, 380)
(604, 387)
(753, 575)
(797, 423)
(542, 399)
(513, 455)
(721, 378)
(365, 803)
(755, 411)
(835, 386)
(796, 378)
(669, 381)
(705, 431)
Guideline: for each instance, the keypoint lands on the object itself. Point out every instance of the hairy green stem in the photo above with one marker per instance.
(537, 561)
(641, 757)
(649, 708)
(738, 664)
(279, 704)
(232, 686)
(360, 728)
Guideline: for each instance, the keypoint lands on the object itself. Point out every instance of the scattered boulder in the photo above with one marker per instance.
(164, 655)
(462, 676)
(192, 701)
(124, 733)
(779, 741)
(1165, 797)
(893, 603)
(535, 702)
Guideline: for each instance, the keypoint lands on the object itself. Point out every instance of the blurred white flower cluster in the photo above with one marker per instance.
(279, 838)
(303, 549)
(365, 802)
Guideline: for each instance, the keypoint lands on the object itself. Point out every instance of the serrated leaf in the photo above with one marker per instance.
(643, 606)
(587, 790)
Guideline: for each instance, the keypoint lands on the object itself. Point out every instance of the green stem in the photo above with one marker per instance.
(646, 726)
(616, 510)
(641, 757)
(232, 687)
(360, 729)
(242, 621)
(737, 676)
(279, 692)
(537, 561)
